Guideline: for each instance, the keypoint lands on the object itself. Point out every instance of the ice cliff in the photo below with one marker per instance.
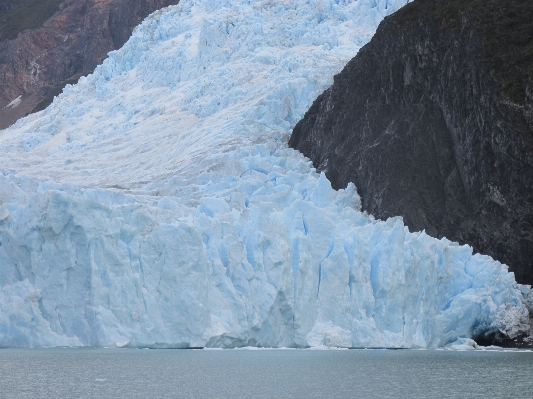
(156, 203)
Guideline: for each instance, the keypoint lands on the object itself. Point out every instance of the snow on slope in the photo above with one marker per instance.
(156, 202)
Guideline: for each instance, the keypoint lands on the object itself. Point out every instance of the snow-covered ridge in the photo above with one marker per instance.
(156, 202)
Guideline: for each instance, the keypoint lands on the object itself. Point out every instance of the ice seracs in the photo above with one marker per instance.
(156, 204)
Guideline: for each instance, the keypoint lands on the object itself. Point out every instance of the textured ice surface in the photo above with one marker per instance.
(156, 202)
(462, 344)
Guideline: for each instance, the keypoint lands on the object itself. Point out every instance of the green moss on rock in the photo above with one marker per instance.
(26, 14)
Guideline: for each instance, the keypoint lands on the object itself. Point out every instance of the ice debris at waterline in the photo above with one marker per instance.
(156, 203)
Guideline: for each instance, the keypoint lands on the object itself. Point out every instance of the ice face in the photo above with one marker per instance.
(156, 203)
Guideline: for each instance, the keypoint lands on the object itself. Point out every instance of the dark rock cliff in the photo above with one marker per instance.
(433, 121)
(46, 44)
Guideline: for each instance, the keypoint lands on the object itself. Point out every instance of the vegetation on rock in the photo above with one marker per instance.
(18, 16)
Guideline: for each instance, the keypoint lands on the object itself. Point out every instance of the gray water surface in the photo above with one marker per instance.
(137, 373)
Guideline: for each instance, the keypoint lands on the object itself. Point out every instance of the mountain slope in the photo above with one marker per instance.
(156, 203)
(45, 45)
(433, 121)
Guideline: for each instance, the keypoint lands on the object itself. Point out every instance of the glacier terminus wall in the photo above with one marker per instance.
(156, 203)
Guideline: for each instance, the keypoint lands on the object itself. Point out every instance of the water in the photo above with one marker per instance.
(136, 373)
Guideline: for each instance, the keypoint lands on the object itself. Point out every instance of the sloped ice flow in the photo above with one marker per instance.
(156, 202)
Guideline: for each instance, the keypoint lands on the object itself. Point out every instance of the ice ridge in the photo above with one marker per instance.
(156, 203)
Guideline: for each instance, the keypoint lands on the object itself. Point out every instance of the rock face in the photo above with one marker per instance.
(433, 121)
(40, 62)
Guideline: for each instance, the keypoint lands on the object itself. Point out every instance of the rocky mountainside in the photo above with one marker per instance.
(46, 44)
(433, 121)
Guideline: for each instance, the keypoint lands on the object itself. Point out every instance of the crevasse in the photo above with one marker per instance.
(156, 203)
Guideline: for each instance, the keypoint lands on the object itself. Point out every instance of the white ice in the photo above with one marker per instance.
(156, 203)
(462, 344)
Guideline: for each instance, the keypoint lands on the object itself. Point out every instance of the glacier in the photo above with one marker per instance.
(156, 203)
